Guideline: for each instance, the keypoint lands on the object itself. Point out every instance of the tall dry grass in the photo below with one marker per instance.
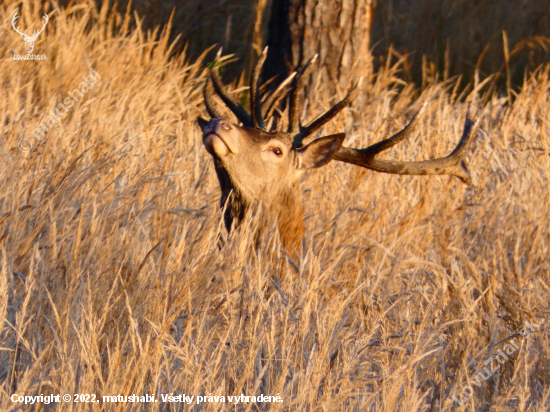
(112, 282)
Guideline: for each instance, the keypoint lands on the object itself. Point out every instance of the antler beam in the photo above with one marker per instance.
(453, 164)
(13, 20)
(212, 106)
(255, 102)
(222, 92)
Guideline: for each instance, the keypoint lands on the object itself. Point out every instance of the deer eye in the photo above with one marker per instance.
(278, 152)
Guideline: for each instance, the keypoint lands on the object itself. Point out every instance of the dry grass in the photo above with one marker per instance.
(408, 284)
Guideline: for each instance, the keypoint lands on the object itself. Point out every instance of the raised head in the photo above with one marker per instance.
(259, 167)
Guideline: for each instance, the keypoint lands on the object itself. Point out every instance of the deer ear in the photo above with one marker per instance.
(202, 123)
(319, 152)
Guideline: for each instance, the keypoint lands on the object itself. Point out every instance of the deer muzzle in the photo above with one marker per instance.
(217, 138)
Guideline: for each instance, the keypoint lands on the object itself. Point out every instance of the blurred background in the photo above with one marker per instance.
(434, 38)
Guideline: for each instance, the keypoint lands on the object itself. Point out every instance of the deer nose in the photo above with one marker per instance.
(225, 125)
(218, 123)
(215, 124)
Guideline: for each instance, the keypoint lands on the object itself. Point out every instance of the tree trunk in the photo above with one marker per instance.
(337, 30)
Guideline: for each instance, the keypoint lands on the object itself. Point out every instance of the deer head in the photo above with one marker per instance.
(259, 167)
(29, 41)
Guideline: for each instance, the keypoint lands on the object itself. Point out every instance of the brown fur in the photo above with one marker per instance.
(256, 168)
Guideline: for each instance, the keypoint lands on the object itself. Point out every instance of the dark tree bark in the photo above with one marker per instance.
(279, 60)
(337, 30)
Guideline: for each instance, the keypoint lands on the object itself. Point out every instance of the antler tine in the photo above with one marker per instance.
(320, 121)
(453, 164)
(273, 100)
(211, 105)
(232, 105)
(385, 144)
(459, 152)
(255, 103)
(294, 111)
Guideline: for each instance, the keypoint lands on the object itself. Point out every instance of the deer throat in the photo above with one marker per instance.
(284, 207)
(290, 221)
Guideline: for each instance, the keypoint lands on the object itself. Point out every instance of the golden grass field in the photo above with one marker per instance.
(112, 281)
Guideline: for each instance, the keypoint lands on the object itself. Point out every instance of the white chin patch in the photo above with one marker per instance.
(215, 145)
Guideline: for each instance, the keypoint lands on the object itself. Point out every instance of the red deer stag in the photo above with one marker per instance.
(257, 165)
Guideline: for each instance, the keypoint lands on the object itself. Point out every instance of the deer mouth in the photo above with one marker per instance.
(216, 145)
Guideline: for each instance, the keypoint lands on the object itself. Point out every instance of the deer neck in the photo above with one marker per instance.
(284, 206)
(290, 220)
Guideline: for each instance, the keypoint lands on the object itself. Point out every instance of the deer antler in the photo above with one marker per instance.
(255, 102)
(313, 126)
(36, 34)
(222, 92)
(259, 110)
(294, 110)
(271, 103)
(453, 164)
(15, 16)
(211, 106)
